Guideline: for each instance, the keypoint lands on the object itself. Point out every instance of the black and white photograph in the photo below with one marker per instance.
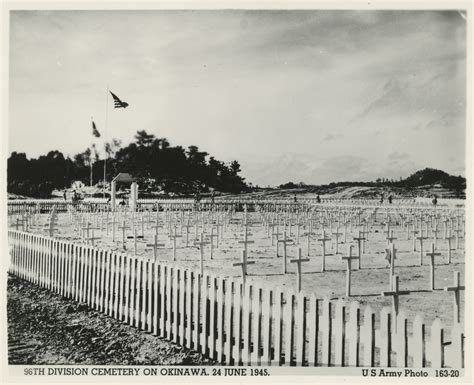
(236, 192)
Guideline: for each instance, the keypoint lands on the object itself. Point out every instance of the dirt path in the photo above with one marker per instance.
(44, 328)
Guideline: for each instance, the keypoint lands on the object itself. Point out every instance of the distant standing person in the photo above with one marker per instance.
(390, 199)
(294, 198)
(65, 195)
(435, 200)
(197, 199)
(318, 199)
(381, 198)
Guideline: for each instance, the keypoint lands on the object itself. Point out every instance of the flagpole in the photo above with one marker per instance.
(106, 155)
(90, 156)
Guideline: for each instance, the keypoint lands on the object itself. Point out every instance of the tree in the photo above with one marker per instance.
(143, 139)
(112, 147)
(234, 167)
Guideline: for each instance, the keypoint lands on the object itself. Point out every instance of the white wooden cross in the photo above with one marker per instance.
(85, 229)
(220, 230)
(323, 241)
(359, 240)
(346, 222)
(457, 231)
(243, 264)
(19, 221)
(276, 234)
(187, 226)
(449, 238)
(91, 238)
(414, 232)
(285, 241)
(337, 234)
(123, 228)
(395, 293)
(134, 237)
(308, 245)
(246, 240)
(407, 224)
(432, 266)
(155, 246)
(421, 238)
(113, 222)
(142, 224)
(298, 262)
(201, 245)
(211, 237)
(387, 228)
(270, 226)
(390, 256)
(435, 232)
(445, 227)
(157, 225)
(348, 260)
(456, 288)
(298, 230)
(390, 238)
(174, 237)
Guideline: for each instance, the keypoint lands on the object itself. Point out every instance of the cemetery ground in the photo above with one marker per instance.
(46, 329)
(367, 282)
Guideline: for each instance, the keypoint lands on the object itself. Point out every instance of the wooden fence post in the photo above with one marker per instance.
(368, 337)
(267, 325)
(353, 333)
(313, 329)
(326, 328)
(401, 340)
(300, 325)
(437, 344)
(340, 332)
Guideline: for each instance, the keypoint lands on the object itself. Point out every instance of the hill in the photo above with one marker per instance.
(423, 183)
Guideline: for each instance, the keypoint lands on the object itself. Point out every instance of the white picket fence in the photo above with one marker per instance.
(232, 323)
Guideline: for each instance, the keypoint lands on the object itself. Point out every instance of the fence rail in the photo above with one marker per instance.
(46, 205)
(227, 321)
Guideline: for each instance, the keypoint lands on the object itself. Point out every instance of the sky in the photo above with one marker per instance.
(305, 96)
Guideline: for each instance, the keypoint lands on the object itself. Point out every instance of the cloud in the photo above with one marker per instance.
(330, 137)
(397, 156)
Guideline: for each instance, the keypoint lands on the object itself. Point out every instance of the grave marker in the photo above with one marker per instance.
(348, 260)
(298, 262)
(243, 264)
(285, 241)
(456, 288)
(432, 266)
(155, 246)
(395, 293)
(359, 239)
(323, 241)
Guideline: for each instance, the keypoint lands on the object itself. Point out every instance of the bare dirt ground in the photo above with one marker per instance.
(367, 282)
(46, 329)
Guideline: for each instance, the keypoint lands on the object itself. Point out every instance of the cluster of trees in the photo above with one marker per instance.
(156, 164)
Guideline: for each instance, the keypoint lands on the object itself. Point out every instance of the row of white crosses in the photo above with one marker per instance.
(326, 218)
(395, 292)
(30, 220)
(24, 221)
(125, 220)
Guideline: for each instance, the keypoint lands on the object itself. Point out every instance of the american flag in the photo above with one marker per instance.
(95, 132)
(117, 102)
